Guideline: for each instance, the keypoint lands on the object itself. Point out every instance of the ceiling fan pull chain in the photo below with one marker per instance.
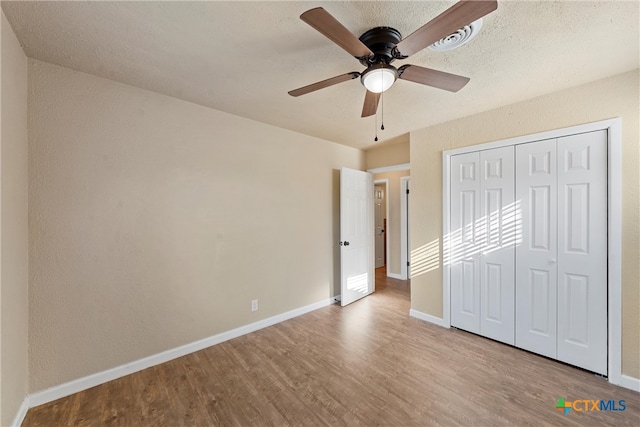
(382, 118)
(376, 128)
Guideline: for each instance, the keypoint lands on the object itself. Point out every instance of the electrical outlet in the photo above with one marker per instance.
(254, 305)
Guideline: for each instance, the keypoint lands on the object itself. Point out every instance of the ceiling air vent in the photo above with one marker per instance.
(460, 37)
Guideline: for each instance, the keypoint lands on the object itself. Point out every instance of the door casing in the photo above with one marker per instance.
(405, 243)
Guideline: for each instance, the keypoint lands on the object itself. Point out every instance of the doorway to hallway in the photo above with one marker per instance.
(380, 223)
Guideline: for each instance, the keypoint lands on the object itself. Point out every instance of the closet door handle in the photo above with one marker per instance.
(553, 260)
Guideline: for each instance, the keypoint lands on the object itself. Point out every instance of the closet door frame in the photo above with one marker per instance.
(614, 227)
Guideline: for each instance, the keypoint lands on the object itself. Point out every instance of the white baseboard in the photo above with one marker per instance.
(428, 318)
(394, 276)
(80, 384)
(630, 383)
(22, 412)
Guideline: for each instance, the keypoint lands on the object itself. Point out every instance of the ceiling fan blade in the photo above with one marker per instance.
(435, 78)
(329, 26)
(448, 22)
(324, 83)
(370, 106)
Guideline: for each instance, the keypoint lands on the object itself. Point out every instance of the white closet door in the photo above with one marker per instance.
(497, 237)
(536, 256)
(582, 250)
(464, 250)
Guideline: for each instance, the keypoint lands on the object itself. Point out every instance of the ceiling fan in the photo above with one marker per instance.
(377, 48)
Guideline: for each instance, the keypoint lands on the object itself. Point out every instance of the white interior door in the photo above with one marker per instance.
(464, 244)
(582, 250)
(497, 233)
(379, 214)
(528, 246)
(356, 235)
(536, 256)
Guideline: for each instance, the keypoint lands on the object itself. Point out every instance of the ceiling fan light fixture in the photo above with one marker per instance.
(379, 77)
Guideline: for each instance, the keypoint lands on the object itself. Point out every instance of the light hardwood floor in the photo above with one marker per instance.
(367, 364)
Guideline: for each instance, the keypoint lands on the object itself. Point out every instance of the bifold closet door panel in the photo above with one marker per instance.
(463, 242)
(536, 254)
(582, 250)
(497, 237)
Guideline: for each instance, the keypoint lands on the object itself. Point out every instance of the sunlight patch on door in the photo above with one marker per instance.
(359, 283)
(499, 230)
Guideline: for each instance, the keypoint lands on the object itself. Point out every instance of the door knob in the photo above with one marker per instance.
(346, 243)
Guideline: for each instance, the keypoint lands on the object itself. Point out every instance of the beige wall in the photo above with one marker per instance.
(154, 222)
(396, 153)
(393, 221)
(14, 252)
(617, 96)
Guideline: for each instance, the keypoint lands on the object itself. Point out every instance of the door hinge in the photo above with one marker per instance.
(407, 191)
(408, 263)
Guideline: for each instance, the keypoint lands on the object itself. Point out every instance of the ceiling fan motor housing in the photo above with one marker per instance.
(381, 41)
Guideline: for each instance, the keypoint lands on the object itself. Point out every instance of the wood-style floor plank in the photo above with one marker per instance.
(367, 364)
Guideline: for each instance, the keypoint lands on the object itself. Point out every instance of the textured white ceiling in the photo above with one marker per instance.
(243, 57)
